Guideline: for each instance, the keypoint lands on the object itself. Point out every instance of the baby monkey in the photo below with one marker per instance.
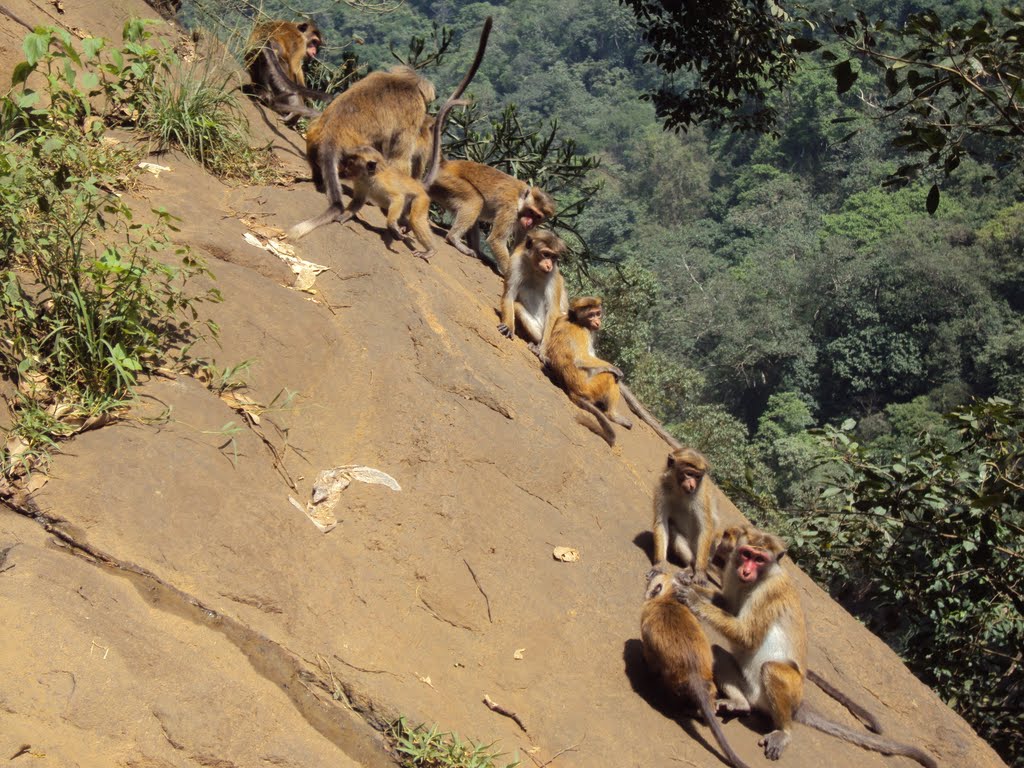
(374, 180)
(678, 652)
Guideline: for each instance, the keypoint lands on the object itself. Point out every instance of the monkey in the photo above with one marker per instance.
(384, 110)
(725, 543)
(590, 382)
(763, 621)
(477, 192)
(678, 652)
(534, 290)
(686, 512)
(373, 179)
(274, 59)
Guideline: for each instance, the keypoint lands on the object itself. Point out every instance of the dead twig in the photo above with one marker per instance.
(486, 598)
(494, 707)
(557, 754)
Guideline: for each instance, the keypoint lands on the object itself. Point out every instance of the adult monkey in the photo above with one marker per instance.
(763, 621)
(384, 110)
(274, 58)
(534, 290)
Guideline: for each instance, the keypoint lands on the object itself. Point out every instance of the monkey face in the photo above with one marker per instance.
(313, 39)
(752, 563)
(546, 261)
(592, 319)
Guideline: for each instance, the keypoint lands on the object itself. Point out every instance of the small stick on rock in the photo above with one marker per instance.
(503, 711)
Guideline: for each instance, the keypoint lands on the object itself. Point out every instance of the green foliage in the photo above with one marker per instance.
(423, 747)
(86, 306)
(926, 549)
(736, 49)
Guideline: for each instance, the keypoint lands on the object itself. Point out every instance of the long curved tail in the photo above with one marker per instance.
(453, 100)
(699, 689)
(645, 416)
(816, 720)
(864, 715)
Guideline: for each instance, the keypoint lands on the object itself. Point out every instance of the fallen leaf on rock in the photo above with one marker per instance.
(518, 655)
(566, 554)
(305, 271)
(15, 447)
(153, 168)
(330, 483)
(244, 404)
(36, 481)
(425, 680)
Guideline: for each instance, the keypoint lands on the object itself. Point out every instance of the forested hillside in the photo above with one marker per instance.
(763, 284)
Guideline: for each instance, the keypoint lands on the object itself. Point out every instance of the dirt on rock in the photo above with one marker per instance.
(164, 603)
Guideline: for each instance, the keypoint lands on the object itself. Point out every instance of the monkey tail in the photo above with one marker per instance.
(816, 720)
(645, 416)
(606, 426)
(865, 716)
(700, 693)
(453, 100)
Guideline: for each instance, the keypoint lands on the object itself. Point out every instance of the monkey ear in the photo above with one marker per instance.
(371, 167)
(652, 573)
(303, 26)
(782, 554)
(671, 461)
(529, 243)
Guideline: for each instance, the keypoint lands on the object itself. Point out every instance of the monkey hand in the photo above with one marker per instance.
(699, 579)
(504, 330)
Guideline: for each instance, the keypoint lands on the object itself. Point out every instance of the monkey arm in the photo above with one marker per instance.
(744, 633)
(508, 299)
(660, 527)
(702, 557)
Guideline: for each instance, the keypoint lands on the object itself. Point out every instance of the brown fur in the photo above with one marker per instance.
(590, 382)
(764, 622)
(686, 520)
(374, 180)
(274, 57)
(532, 296)
(477, 192)
(677, 650)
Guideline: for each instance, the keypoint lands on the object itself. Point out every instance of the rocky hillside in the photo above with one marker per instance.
(165, 603)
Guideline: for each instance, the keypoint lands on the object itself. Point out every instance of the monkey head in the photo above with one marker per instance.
(535, 206)
(725, 543)
(311, 33)
(360, 162)
(586, 311)
(756, 555)
(546, 248)
(657, 580)
(689, 467)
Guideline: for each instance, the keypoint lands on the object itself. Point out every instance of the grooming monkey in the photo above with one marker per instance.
(384, 110)
(686, 512)
(763, 621)
(274, 59)
(534, 290)
(727, 540)
(678, 652)
(477, 192)
(374, 180)
(589, 381)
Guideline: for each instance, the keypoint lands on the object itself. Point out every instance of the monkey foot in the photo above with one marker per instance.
(774, 744)
(425, 255)
(732, 707)
(504, 330)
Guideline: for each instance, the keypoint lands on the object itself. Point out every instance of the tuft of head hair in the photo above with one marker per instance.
(754, 537)
(547, 240)
(582, 303)
(688, 457)
(545, 203)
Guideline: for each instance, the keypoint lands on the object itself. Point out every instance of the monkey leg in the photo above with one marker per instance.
(783, 690)
(533, 330)
(418, 219)
(681, 546)
(733, 700)
(498, 241)
(612, 408)
(606, 428)
(466, 215)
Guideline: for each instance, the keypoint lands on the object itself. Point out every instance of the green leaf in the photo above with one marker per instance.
(35, 47)
(21, 73)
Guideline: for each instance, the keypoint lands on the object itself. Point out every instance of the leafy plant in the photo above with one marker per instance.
(86, 306)
(423, 747)
(926, 548)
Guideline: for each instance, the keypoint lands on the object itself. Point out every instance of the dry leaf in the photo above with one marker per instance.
(330, 483)
(244, 404)
(16, 447)
(425, 680)
(305, 271)
(153, 168)
(36, 481)
(566, 554)
(518, 655)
